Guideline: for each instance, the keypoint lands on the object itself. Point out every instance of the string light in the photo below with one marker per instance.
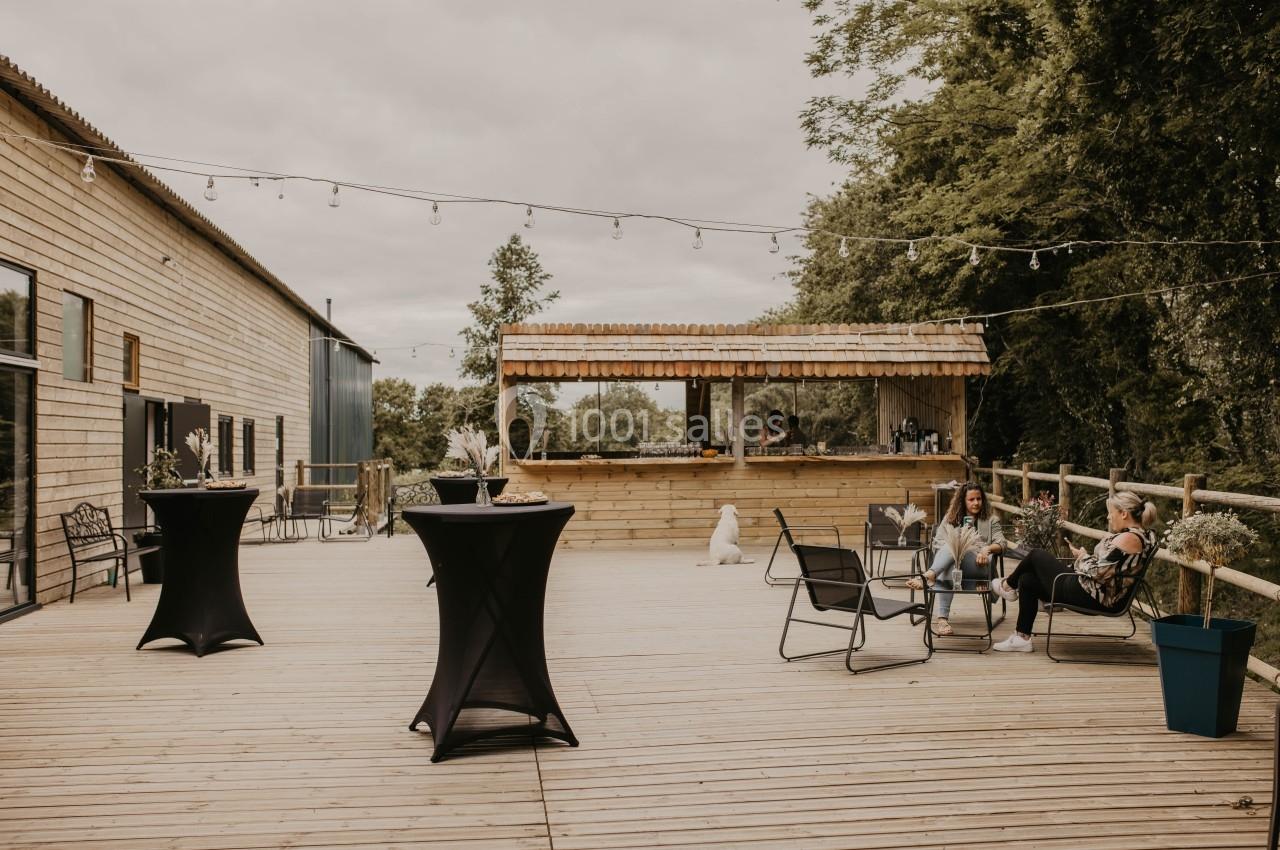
(617, 229)
(210, 191)
(973, 256)
(528, 217)
(255, 182)
(414, 354)
(844, 247)
(697, 238)
(87, 174)
(774, 247)
(334, 200)
(1035, 260)
(280, 195)
(435, 213)
(452, 354)
(912, 253)
(337, 346)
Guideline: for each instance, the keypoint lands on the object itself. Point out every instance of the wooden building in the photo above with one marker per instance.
(918, 376)
(126, 319)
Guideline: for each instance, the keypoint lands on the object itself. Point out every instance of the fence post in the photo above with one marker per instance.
(362, 488)
(997, 481)
(1026, 483)
(1189, 581)
(302, 473)
(1113, 478)
(1064, 491)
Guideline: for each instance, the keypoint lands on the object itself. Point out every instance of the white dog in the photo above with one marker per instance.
(724, 540)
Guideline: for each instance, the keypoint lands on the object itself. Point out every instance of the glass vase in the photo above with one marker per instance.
(482, 491)
(902, 539)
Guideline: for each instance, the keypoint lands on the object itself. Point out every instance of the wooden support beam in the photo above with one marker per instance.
(1026, 483)
(1189, 581)
(997, 483)
(1064, 490)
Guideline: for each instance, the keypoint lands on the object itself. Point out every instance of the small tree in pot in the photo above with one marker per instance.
(160, 474)
(1203, 658)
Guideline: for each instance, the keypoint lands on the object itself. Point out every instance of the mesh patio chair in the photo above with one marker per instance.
(361, 530)
(881, 538)
(835, 581)
(784, 533)
(1123, 608)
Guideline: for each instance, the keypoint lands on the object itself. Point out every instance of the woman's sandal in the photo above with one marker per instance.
(942, 628)
(917, 583)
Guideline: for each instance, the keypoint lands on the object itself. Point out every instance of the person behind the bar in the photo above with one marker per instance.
(969, 506)
(1097, 581)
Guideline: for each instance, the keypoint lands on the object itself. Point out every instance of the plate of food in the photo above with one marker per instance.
(533, 497)
(453, 473)
(225, 484)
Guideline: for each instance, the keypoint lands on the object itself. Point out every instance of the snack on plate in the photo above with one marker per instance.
(224, 484)
(710, 453)
(453, 473)
(533, 497)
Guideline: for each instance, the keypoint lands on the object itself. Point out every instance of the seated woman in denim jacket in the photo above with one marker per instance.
(969, 506)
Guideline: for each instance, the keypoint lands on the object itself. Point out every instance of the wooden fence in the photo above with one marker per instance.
(373, 481)
(1192, 494)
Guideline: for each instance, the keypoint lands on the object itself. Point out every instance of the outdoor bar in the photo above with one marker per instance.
(875, 414)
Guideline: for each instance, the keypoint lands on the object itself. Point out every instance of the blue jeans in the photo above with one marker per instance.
(941, 567)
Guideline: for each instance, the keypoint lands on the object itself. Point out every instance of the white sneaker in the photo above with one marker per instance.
(1014, 643)
(1002, 589)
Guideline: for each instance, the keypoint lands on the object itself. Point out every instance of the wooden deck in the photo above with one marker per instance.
(694, 733)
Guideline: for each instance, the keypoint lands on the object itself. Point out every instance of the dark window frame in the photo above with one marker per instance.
(88, 338)
(135, 363)
(226, 445)
(247, 449)
(31, 311)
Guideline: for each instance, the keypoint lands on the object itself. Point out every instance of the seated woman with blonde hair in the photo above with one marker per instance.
(1099, 581)
(969, 506)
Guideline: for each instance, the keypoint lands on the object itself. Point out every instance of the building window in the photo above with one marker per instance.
(225, 445)
(248, 465)
(15, 309)
(77, 337)
(132, 351)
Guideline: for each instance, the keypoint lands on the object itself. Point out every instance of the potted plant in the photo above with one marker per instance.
(160, 474)
(1203, 658)
(1037, 524)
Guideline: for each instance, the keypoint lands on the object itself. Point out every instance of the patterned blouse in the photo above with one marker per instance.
(1110, 572)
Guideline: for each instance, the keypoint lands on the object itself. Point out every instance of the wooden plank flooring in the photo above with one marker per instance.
(694, 733)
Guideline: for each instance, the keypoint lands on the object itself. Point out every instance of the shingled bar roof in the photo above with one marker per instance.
(746, 351)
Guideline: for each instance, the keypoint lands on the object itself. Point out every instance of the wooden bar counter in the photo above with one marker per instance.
(674, 501)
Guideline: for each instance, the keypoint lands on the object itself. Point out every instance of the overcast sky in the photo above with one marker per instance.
(668, 106)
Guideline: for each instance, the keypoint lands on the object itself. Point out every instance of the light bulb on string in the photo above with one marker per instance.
(697, 238)
(452, 354)
(973, 256)
(844, 247)
(337, 346)
(1069, 250)
(210, 191)
(414, 353)
(528, 217)
(774, 247)
(617, 229)
(87, 174)
(1035, 260)
(912, 253)
(254, 182)
(334, 200)
(435, 213)
(280, 193)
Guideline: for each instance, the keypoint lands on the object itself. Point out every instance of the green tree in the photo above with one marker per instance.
(397, 428)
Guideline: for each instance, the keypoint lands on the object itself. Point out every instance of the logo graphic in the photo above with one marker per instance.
(525, 408)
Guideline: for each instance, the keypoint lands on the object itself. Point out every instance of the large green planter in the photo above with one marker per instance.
(1202, 671)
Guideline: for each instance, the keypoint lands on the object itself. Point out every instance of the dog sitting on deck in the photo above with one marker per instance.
(724, 540)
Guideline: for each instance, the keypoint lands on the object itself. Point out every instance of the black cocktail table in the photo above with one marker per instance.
(462, 491)
(200, 602)
(491, 567)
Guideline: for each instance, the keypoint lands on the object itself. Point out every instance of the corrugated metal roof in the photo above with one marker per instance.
(78, 131)
(755, 350)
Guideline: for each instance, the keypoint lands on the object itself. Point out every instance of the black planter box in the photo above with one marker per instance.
(151, 563)
(1202, 671)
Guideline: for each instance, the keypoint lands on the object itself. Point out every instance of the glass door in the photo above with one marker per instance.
(16, 503)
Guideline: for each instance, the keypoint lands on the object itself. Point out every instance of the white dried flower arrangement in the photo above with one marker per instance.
(472, 448)
(910, 516)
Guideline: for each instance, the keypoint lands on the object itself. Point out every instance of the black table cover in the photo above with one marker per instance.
(462, 491)
(491, 567)
(200, 602)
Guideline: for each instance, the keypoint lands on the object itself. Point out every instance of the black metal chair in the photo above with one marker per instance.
(880, 537)
(408, 495)
(995, 567)
(87, 529)
(784, 533)
(357, 518)
(835, 581)
(303, 504)
(1123, 608)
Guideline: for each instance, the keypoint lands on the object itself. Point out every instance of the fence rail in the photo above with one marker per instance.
(373, 482)
(1192, 494)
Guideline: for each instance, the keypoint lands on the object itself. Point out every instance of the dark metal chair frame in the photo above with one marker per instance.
(86, 528)
(859, 602)
(785, 533)
(879, 528)
(995, 567)
(357, 517)
(1122, 609)
(408, 495)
